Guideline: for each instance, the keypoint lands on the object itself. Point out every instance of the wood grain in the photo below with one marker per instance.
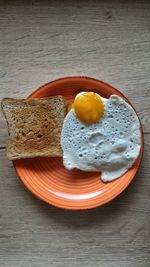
(39, 42)
(37, 234)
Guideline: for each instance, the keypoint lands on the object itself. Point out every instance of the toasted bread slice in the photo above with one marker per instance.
(34, 126)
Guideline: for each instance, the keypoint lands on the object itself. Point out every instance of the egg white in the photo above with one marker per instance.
(109, 146)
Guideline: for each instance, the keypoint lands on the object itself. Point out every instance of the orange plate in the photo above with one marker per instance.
(50, 181)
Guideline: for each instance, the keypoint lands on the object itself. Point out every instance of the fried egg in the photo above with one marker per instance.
(101, 136)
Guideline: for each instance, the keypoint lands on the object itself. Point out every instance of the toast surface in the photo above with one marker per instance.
(34, 126)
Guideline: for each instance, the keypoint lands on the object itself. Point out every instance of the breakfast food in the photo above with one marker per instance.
(34, 126)
(97, 134)
(106, 140)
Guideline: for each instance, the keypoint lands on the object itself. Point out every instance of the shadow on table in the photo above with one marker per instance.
(127, 201)
(85, 218)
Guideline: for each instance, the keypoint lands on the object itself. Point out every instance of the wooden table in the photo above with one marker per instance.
(44, 40)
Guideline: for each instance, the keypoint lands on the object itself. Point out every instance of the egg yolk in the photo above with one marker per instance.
(88, 107)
